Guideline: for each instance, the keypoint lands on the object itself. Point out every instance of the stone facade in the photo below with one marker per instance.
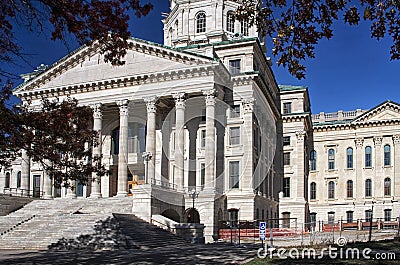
(197, 113)
(341, 165)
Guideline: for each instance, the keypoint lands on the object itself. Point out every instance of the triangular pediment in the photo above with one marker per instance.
(386, 111)
(86, 65)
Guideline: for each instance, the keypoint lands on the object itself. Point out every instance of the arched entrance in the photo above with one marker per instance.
(192, 216)
(171, 214)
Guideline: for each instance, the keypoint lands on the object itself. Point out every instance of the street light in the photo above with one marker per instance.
(193, 194)
(147, 157)
(370, 222)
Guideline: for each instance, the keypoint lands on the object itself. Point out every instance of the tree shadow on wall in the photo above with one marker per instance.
(107, 235)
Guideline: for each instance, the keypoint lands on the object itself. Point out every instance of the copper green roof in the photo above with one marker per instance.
(291, 88)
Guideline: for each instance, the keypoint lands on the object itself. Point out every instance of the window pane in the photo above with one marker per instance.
(349, 189)
(387, 155)
(287, 107)
(234, 136)
(286, 187)
(387, 187)
(234, 174)
(388, 215)
(286, 140)
(368, 156)
(235, 111)
(331, 159)
(313, 191)
(368, 188)
(234, 66)
(230, 22)
(245, 28)
(350, 157)
(331, 190)
(201, 23)
(313, 160)
(286, 159)
(349, 216)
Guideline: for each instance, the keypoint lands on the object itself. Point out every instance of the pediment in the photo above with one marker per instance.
(386, 111)
(86, 65)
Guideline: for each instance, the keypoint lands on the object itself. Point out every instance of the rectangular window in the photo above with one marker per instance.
(388, 215)
(235, 111)
(202, 175)
(234, 174)
(244, 27)
(349, 216)
(234, 136)
(313, 219)
(203, 139)
(286, 140)
(286, 159)
(285, 220)
(286, 187)
(368, 215)
(331, 218)
(234, 66)
(287, 107)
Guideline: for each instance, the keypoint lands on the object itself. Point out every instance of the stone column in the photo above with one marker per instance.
(180, 106)
(396, 177)
(359, 183)
(151, 135)
(300, 160)
(25, 171)
(97, 126)
(123, 148)
(378, 178)
(246, 164)
(47, 186)
(210, 179)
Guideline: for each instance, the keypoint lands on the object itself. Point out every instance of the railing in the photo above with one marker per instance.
(23, 192)
(336, 116)
(163, 184)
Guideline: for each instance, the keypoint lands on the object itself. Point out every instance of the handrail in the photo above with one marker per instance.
(22, 192)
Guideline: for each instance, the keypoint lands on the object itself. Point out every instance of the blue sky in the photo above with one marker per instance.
(350, 71)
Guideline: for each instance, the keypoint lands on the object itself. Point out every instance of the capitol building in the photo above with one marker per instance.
(201, 120)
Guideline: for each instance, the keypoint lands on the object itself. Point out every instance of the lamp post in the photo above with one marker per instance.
(147, 157)
(193, 194)
(370, 222)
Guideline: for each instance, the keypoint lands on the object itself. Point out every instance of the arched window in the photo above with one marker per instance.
(368, 156)
(244, 29)
(386, 151)
(349, 189)
(230, 22)
(115, 141)
(331, 190)
(387, 187)
(368, 188)
(349, 157)
(201, 22)
(19, 179)
(331, 159)
(7, 180)
(313, 160)
(313, 191)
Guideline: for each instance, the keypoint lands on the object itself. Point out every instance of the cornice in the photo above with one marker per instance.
(358, 125)
(120, 82)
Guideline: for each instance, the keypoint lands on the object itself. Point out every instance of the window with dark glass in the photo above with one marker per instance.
(202, 175)
(349, 216)
(286, 159)
(235, 111)
(331, 190)
(234, 136)
(331, 218)
(234, 66)
(313, 191)
(19, 179)
(368, 156)
(286, 140)
(386, 151)
(201, 22)
(368, 188)
(368, 215)
(349, 157)
(230, 22)
(388, 215)
(313, 160)
(349, 189)
(234, 174)
(287, 107)
(286, 187)
(387, 187)
(202, 138)
(331, 159)
(7, 180)
(313, 219)
(115, 141)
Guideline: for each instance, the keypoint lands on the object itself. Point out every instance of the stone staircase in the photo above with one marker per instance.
(42, 223)
(9, 203)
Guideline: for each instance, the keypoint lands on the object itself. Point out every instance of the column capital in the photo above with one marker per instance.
(359, 142)
(396, 139)
(210, 95)
(300, 135)
(151, 103)
(97, 110)
(180, 100)
(248, 104)
(378, 140)
(123, 107)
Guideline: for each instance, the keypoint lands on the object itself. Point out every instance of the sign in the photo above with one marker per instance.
(263, 227)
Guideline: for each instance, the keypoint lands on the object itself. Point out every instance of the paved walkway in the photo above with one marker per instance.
(191, 254)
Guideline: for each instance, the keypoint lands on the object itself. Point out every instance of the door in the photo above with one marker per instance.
(36, 186)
